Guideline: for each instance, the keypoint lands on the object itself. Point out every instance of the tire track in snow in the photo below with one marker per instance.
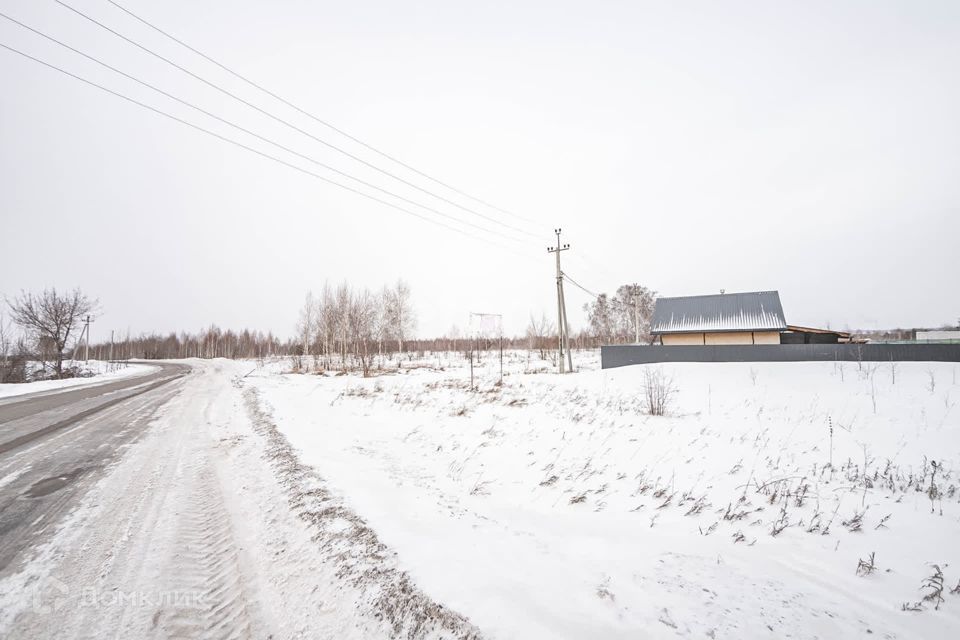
(207, 598)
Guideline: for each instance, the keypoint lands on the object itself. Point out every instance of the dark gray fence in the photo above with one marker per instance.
(627, 354)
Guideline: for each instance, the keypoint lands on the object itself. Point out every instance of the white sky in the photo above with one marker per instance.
(812, 148)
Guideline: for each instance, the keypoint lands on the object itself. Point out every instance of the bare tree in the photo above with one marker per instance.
(634, 304)
(362, 321)
(539, 333)
(51, 318)
(384, 327)
(341, 307)
(306, 324)
(400, 313)
(600, 315)
(325, 330)
(623, 318)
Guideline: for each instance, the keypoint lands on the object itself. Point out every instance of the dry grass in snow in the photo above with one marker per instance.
(784, 499)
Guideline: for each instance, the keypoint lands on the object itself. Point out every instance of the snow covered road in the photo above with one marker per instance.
(181, 512)
(55, 445)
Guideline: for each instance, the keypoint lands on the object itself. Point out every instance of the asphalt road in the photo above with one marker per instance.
(55, 445)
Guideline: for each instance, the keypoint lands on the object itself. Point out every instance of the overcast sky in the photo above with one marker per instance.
(812, 148)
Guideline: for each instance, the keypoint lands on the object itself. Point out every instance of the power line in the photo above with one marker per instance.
(244, 146)
(285, 122)
(249, 132)
(579, 286)
(611, 301)
(315, 118)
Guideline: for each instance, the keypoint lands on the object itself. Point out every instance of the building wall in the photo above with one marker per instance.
(682, 338)
(730, 337)
(722, 337)
(766, 337)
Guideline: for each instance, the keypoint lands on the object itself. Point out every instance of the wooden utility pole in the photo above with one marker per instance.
(636, 314)
(563, 341)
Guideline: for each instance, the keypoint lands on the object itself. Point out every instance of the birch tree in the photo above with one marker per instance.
(633, 309)
(361, 318)
(326, 321)
(305, 326)
(625, 317)
(400, 313)
(341, 308)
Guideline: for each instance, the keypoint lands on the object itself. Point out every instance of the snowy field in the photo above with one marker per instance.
(773, 500)
(94, 372)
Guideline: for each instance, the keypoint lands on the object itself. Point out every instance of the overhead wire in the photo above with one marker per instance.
(249, 148)
(315, 118)
(610, 300)
(283, 121)
(578, 285)
(252, 133)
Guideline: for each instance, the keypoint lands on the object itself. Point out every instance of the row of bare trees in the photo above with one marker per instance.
(341, 326)
(352, 325)
(212, 342)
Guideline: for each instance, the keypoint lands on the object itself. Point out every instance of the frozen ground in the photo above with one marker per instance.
(94, 371)
(555, 507)
(774, 500)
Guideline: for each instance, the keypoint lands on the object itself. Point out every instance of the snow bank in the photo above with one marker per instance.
(554, 506)
(98, 371)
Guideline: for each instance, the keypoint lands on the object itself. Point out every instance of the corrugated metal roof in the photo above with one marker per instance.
(752, 311)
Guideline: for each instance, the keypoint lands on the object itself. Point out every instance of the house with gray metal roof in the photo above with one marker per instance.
(753, 317)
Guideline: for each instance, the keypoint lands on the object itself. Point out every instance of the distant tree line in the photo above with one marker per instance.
(341, 327)
(50, 324)
(208, 343)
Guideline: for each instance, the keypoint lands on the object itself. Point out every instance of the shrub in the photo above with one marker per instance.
(658, 388)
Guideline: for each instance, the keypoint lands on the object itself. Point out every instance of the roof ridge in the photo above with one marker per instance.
(717, 295)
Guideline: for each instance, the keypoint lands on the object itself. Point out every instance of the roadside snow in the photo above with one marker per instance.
(208, 527)
(99, 372)
(553, 506)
